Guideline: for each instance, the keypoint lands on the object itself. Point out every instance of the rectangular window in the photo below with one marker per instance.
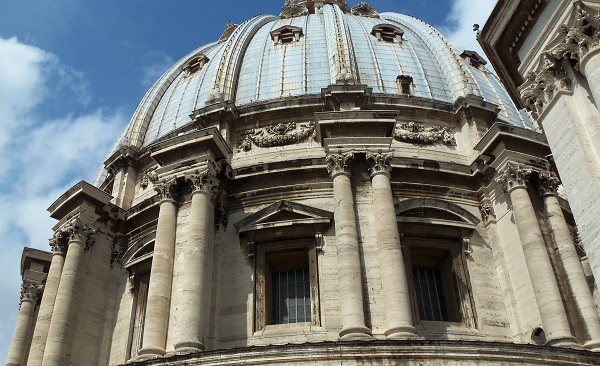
(430, 294)
(286, 283)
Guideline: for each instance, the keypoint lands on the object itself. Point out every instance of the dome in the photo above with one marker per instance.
(270, 59)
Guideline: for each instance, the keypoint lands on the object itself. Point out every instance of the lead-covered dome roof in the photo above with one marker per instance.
(298, 54)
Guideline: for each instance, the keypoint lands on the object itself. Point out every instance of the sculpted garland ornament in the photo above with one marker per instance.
(416, 133)
(278, 135)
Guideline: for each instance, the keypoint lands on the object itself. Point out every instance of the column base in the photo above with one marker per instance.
(593, 345)
(401, 333)
(356, 334)
(566, 342)
(148, 353)
(188, 347)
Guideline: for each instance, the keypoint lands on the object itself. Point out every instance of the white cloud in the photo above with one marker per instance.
(159, 63)
(459, 28)
(42, 157)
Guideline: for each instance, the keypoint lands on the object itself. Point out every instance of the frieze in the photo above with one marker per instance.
(339, 163)
(277, 135)
(364, 10)
(540, 88)
(419, 134)
(379, 162)
(514, 175)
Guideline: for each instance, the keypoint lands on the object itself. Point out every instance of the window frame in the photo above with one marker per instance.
(263, 284)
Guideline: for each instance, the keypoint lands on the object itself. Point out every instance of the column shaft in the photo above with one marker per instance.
(348, 260)
(590, 67)
(42, 325)
(21, 336)
(161, 276)
(60, 324)
(398, 313)
(191, 290)
(573, 270)
(547, 294)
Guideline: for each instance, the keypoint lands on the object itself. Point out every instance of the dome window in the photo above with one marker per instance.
(387, 33)
(474, 59)
(286, 34)
(405, 84)
(195, 64)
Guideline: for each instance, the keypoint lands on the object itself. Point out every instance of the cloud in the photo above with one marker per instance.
(459, 23)
(42, 156)
(158, 64)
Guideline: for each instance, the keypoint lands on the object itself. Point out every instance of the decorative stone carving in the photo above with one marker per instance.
(78, 230)
(339, 163)
(149, 176)
(548, 183)
(202, 180)
(416, 133)
(167, 189)
(58, 243)
(486, 209)
(31, 291)
(514, 175)
(580, 38)
(380, 162)
(364, 10)
(118, 248)
(294, 8)
(229, 29)
(278, 135)
(540, 88)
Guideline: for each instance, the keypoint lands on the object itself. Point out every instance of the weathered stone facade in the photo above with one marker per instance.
(414, 216)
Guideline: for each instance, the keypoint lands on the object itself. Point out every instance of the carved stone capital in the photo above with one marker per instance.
(339, 163)
(513, 176)
(167, 189)
(486, 209)
(31, 291)
(202, 181)
(380, 162)
(581, 36)
(541, 87)
(548, 183)
(59, 243)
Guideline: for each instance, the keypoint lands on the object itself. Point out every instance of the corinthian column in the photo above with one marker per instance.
(192, 287)
(60, 324)
(398, 313)
(348, 257)
(42, 325)
(547, 294)
(582, 297)
(17, 352)
(161, 273)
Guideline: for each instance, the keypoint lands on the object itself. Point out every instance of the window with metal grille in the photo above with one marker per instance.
(291, 296)
(431, 297)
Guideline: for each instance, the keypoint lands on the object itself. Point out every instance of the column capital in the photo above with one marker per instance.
(167, 189)
(202, 181)
(58, 243)
(548, 183)
(76, 229)
(31, 291)
(339, 163)
(542, 86)
(380, 162)
(514, 175)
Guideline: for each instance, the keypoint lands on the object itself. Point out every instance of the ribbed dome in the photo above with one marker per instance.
(268, 58)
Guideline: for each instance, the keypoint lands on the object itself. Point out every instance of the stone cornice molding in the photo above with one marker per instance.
(202, 181)
(30, 291)
(380, 162)
(548, 183)
(514, 175)
(167, 189)
(542, 87)
(339, 163)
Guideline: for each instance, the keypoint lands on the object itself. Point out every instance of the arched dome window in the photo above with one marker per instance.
(195, 64)
(387, 33)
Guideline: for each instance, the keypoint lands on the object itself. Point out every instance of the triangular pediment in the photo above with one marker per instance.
(284, 213)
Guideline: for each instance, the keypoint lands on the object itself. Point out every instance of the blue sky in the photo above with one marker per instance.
(71, 75)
